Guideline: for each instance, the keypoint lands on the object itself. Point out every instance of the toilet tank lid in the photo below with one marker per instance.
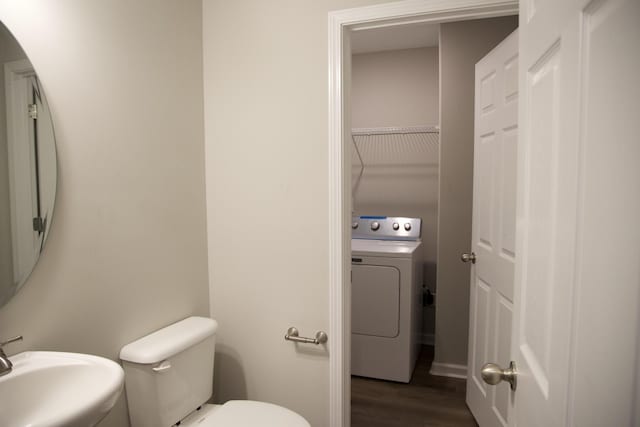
(168, 341)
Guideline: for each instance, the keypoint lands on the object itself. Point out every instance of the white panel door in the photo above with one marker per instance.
(575, 337)
(493, 230)
(23, 173)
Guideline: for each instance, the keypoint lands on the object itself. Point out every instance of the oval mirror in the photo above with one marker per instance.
(27, 167)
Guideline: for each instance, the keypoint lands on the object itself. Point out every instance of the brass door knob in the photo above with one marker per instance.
(492, 374)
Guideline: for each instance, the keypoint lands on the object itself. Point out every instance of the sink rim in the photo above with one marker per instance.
(99, 400)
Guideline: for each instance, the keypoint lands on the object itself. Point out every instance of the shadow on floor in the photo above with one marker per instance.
(427, 401)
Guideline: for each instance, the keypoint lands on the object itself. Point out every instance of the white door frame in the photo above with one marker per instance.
(340, 23)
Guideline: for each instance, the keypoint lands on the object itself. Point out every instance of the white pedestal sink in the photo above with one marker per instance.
(51, 389)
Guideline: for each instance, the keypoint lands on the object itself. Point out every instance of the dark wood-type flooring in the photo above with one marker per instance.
(428, 400)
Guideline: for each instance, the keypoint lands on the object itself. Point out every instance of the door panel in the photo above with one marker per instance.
(609, 190)
(548, 183)
(502, 351)
(537, 290)
(485, 174)
(577, 298)
(493, 234)
(480, 328)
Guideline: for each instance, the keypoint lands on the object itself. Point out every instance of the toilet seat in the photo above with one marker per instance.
(244, 413)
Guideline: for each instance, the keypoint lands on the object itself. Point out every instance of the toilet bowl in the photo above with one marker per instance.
(169, 379)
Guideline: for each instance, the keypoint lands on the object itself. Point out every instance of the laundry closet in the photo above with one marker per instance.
(395, 152)
(412, 106)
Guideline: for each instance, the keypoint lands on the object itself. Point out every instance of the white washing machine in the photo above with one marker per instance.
(386, 297)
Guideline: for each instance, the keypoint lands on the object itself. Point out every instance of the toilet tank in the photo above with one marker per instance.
(169, 373)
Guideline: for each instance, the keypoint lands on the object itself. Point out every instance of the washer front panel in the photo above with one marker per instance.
(375, 300)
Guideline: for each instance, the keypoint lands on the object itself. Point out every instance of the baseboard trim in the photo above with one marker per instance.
(449, 370)
(428, 339)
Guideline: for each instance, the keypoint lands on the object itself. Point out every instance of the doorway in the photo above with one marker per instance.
(570, 61)
(405, 173)
(342, 186)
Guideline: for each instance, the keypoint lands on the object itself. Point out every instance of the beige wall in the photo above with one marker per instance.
(395, 88)
(266, 103)
(399, 88)
(127, 249)
(10, 50)
(462, 44)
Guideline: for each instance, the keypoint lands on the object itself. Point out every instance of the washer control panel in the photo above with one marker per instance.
(385, 228)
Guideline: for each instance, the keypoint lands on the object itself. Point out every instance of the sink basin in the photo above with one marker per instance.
(47, 389)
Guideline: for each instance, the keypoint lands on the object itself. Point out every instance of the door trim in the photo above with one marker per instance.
(15, 73)
(340, 23)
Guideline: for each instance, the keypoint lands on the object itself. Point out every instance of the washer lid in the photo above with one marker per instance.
(386, 248)
(249, 413)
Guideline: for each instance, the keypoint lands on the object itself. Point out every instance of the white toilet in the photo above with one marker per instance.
(169, 377)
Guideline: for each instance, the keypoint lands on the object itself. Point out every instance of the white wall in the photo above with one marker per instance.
(266, 104)
(398, 88)
(462, 44)
(10, 50)
(395, 88)
(127, 249)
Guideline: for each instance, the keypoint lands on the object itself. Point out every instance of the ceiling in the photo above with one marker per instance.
(395, 37)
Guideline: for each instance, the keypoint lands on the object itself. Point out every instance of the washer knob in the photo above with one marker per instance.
(354, 225)
(396, 226)
(375, 225)
(407, 226)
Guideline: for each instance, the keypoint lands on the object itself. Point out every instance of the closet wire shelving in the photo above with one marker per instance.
(394, 146)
